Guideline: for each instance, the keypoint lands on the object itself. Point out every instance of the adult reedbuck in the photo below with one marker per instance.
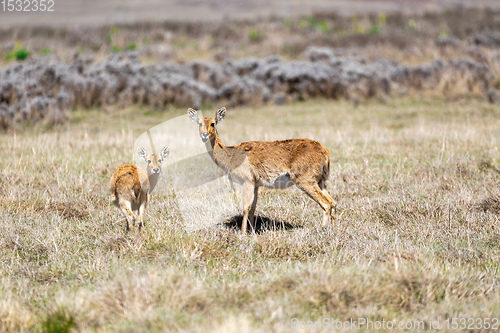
(273, 164)
(130, 186)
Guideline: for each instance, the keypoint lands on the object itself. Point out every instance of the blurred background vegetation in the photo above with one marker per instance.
(340, 52)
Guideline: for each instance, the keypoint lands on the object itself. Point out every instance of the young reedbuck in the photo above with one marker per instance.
(273, 164)
(130, 186)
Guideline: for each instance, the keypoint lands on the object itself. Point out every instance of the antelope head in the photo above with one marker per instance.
(153, 160)
(207, 125)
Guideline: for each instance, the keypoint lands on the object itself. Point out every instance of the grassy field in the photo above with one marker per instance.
(416, 179)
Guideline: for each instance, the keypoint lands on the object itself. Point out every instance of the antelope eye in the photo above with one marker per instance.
(212, 124)
(160, 160)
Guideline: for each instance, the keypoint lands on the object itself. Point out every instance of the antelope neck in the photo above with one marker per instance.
(215, 148)
(153, 179)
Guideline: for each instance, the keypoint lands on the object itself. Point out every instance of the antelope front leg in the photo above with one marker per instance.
(249, 200)
(253, 221)
(232, 185)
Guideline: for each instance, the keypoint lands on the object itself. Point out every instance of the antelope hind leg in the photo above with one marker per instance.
(251, 215)
(323, 199)
(142, 210)
(126, 209)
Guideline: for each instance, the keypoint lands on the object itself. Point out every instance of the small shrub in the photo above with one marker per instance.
(18, 54)
(255, 35)
(130, 47)
(303, 23)
(58, 322)
(311, 22)
(443, 33)
(323, 26)
(413, 24)
(113, 31)
(359, 30)
(374, 30)
(382, 20)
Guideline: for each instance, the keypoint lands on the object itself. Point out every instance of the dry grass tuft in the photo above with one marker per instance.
(491, 204)
(67, 210)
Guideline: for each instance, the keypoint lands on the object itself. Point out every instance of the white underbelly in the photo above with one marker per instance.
(280, 182)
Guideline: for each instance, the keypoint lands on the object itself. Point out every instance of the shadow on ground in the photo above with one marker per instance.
(262, 224)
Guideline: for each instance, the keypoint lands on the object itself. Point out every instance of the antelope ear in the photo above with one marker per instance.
(221, 113)
(164, 152)
(193, 115)
(142, 153)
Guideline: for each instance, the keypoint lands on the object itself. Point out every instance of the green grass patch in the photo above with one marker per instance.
(18, 54)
